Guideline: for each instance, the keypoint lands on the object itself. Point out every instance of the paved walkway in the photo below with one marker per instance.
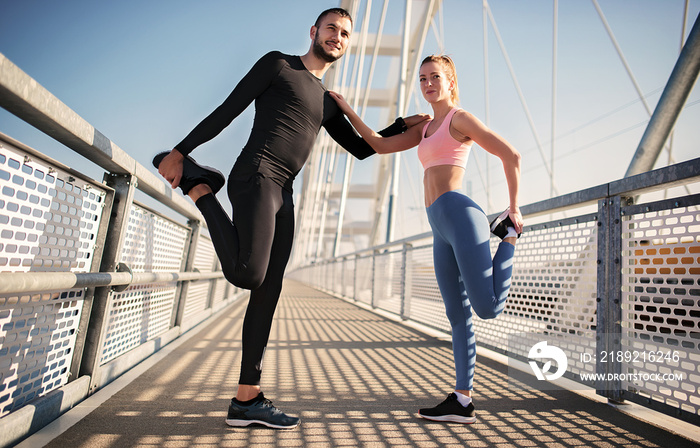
(355, 378)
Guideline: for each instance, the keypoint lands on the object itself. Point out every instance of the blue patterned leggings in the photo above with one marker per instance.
(467, 277)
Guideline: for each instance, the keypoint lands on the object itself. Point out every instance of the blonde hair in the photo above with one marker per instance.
(448, 66)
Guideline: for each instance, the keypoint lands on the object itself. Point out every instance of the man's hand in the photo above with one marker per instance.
(416, 119)
(171, 168)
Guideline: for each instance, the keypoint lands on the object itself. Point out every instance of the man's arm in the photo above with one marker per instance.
(381, 142)
(340, 129)
(254, 83)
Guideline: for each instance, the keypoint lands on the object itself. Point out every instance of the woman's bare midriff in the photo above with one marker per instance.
(440, 179)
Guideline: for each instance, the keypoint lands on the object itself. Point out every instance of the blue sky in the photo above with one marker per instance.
(145, 72)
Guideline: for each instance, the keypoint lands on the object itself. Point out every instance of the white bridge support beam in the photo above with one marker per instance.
(323, 221)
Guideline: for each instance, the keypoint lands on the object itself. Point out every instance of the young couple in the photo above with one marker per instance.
(291, 105)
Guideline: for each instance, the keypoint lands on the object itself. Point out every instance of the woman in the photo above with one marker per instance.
(461, 253)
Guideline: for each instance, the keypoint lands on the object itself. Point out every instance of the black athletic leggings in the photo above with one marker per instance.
(253, 250)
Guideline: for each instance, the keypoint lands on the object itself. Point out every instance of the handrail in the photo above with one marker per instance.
(410, 239)
(25, 98)
(658, 179)
(26, 282)
(661, 178)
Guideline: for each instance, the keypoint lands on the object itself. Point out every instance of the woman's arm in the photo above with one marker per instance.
(340, 130)
(382, 145)
(470, 126)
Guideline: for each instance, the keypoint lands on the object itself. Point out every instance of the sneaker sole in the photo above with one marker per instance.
(500, 218)
(242, 423)
(449, 418)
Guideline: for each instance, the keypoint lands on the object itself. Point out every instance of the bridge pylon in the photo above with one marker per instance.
(377, 77)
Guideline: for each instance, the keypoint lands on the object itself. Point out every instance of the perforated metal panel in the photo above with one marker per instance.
(336, 275)
(48, 218)
(553, 289)
(342, 274)
(219, 291)
(363, 285)
(661, 302)
(153, 243)
(197, 299)
(348, 287)
(142, 312)
(387, 274)
(205, 257)
(137, 315)
(48, 222)
(426, 305)
(339, 276)
(198, 292)
(37, 341)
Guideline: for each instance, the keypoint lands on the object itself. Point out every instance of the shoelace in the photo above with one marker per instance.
(450, 397)
(268, 403)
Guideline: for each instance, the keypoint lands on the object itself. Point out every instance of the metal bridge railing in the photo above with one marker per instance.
(91, 281)
(620, 281)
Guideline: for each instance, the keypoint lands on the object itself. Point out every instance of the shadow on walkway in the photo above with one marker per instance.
(356, 380)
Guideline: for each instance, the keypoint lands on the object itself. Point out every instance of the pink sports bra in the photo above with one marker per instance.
(441, 148)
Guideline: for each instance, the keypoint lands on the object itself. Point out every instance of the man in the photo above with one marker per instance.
(291, 104)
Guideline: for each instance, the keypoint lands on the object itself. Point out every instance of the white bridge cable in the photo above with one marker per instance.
(355, 80)
(555, 38)
(417, 58)
(621, 55)
(350, 161)
(326, 169)
(487, 96)
(328, 188)
(375, 57)
(520, 95)
(333, 150)
(602, 139)
(438, 34)
(628, 69)
(325, 154)
(439, 30)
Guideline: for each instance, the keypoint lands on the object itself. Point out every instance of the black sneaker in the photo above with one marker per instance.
(194, 174)
(261, 412)
(499, 226)
(450, 410)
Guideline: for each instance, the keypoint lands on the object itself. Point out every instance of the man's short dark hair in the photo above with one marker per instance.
(340, 11)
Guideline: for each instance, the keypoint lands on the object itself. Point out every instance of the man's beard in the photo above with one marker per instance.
(322, 53)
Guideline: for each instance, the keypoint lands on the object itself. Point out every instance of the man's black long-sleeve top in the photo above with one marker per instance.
(291, 105)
